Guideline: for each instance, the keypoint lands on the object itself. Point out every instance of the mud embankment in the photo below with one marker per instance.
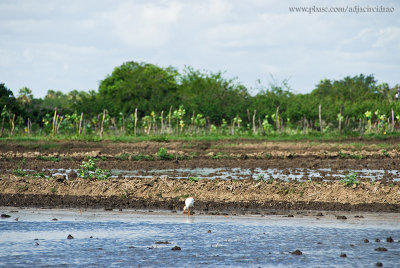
(212, 196)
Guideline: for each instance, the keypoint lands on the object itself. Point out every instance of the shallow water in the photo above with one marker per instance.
(128, 238)
(296, 174)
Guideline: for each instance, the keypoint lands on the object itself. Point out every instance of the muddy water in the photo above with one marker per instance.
(129, 238)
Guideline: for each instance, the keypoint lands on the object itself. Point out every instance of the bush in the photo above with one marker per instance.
(350, 179)
(164, 155)
(89, 170)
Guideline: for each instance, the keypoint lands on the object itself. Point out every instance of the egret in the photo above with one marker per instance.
(189, 202)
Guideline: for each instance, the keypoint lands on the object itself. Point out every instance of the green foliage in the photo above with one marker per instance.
(350, 179)
(19, 172)
(193, 103)
(48, 158)
(182, 196)
(164, 155)
(260, 178)
(39, 175)
(89, 170)
(144, 86)
(193, 179)
(123, 156)
(53, 190)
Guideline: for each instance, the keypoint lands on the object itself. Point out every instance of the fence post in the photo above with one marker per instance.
(162, 122)
(54, 122)
(134, 127)
(340, 119)
(254, 122)
(102, 123)
(320, 118)
(392, 120)
(80, 124)
(277, 121)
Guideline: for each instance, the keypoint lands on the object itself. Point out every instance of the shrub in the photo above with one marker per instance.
(164, 155)
(89, 170)
(350, 179)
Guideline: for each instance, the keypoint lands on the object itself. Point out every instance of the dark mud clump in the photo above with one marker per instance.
(297, 252)
(389, 239)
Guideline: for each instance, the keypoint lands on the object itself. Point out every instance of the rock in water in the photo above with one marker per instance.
(297, 252)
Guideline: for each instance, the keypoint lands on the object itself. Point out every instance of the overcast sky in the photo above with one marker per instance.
(74, 44)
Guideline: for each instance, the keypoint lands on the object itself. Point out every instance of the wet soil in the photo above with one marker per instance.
(212, 196)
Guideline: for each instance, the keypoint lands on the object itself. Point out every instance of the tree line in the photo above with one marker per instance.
(140, 98)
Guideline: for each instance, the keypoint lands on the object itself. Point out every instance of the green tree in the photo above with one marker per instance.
(144, 86)
(7, 97)
(212, 95)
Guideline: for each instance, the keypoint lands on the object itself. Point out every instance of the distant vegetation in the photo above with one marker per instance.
(140, 99)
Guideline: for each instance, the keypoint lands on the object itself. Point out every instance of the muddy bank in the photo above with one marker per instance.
(212, 196)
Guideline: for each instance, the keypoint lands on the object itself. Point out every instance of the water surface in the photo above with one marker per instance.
(128, 238)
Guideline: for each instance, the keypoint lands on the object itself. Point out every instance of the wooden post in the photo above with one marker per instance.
(102, 123)
(254, 122)
(54, 122)
(59, 123)
(29, 126)
(320, 119)
(2, 127)
(80, 124)
(169, 118)
(123, 124)
(162, 122)
(392, 120)
(341, 116)
(134, 127)
(12, 125)
(277, 121)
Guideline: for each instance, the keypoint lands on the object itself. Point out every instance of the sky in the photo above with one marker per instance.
(74, 44)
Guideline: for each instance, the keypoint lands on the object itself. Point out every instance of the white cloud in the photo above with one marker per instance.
(388, 37)
(144, 25)
(67, 45)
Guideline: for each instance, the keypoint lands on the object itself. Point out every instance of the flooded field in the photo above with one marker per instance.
(39, 238)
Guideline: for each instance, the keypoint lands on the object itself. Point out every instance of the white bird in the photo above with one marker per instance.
(189, 202)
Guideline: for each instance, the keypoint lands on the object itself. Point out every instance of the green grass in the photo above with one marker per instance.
(19, 172)
(314, 136)
(140, 157)
(164, 155)
(48, 158)
(181, 196)
(193, 179)
(53, 190)
(39, 175)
